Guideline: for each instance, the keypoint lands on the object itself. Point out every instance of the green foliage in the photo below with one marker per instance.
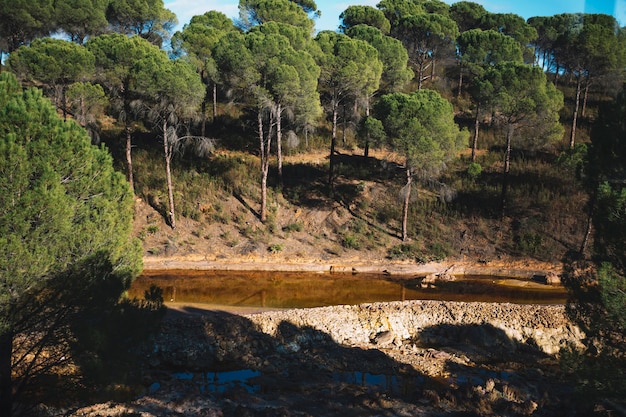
(474, 170)
(66, 223)
(613, 293)
(405, 251)
(146, 18)
(364, 15)
(80, 19)
(52, 61)
(276, 248)
(421, 127)
(293, 227)
(21, 21)
(350, 241)
(391, 54)
(257, 12)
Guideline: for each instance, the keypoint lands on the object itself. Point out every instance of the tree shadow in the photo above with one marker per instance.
(227, 363)
(494, 374)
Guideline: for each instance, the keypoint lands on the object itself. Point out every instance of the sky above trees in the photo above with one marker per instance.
(331, 9)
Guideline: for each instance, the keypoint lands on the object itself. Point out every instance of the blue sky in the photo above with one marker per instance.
(331, 10)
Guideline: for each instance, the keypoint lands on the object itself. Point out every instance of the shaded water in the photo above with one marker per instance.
(304, 290)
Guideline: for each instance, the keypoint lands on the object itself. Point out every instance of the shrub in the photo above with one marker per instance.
(276, 247)
(293, 227)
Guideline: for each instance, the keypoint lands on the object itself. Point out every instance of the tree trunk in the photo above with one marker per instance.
(279, 139)
(333, 143)
(203, 123)
(343, 125)
(214, 101)
(591, 205)
(263, 213)
(585, 242)
(366, 151)
(476, 127)
(572, 138)
(432, 70)
(586, 95)
(507, 168)
(167, 149)
(129, 161)
(6, 386)
(420, 76)
(458, 94)
(405, 208)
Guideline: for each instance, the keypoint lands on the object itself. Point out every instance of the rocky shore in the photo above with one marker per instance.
(414, 358)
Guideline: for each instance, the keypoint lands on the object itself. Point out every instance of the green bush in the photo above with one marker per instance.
(293, 227)
(276, 247)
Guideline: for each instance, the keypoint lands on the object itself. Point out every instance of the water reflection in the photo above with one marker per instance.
(305, 290)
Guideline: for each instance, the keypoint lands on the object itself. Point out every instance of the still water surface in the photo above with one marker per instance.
(304, 290)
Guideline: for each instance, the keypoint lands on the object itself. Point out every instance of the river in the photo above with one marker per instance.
(305, 290)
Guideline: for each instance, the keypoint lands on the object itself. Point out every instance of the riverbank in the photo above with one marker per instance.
(418, 358)
(526, 268)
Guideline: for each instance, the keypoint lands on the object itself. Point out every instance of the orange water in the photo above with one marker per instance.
(303, 290)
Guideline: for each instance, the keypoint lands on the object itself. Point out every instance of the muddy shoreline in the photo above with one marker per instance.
(500, 267)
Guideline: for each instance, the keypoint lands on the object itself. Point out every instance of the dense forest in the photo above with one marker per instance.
(438, 125)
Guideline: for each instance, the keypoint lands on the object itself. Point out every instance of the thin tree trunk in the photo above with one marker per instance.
(279, 139)
(420, 76)
(586, 95)
(458, 94)
(585, 242)
(264, 167)
(366, 152)
(507, 168)
(129, 160)
(589, 228)
(572, 138)
(432, 69)
(214, 101)
(167, 149)
(405, 208)
(333, 143)
(6, 385)
(476, 127)
(343, 124)
(203, 124)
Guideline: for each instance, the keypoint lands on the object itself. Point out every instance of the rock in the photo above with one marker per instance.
(553, 279)
(384, 338)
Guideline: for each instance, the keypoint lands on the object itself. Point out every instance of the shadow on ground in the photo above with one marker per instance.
(216, 363)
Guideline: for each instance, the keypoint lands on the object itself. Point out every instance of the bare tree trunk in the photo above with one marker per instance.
(214, 101)
(587, 235)
(129, 161)
(203, 123)
(507, 168)
(264, 167)
(476, 127)
(6, 383)
(343, 124)
(405, 208)
(591, 205)
(333, 143)
(584, 109)
(279, 147)
(167, 149)
(572, 138)
(366, 152)
(420, 77)
(432, 69)
(458, 94)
